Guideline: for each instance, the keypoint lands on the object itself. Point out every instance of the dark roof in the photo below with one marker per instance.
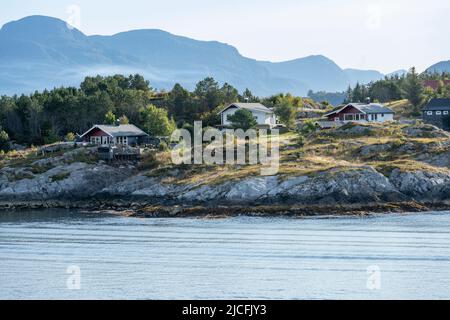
(373, 108)
(124, 130)
(249, 106)
(364, 108)
(437, 104)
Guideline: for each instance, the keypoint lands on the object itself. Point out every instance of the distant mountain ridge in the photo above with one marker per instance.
(442, 66)
(40, 52)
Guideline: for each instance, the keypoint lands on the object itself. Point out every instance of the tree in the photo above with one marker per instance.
(155, 121)
(414, 89)
(286, 113)
(242, 119)
(139, 83)
(70, 137)
(124, 120)
(209, 94)
(349, 95)
(110, 118)
(179, 103)
(212, 118)
(248, 96)
(229, 94)
(4, 140)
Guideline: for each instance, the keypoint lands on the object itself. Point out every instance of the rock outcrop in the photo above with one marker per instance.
(341, 185)
(72, 181)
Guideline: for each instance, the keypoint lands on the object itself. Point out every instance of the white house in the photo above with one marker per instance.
(263, 115)
(361, 112)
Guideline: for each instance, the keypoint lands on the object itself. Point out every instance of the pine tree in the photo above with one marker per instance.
(414, 89)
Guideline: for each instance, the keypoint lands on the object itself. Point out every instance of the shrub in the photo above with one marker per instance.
(148, 161)
(163, 146)
(300, 140)
(308, 127)
(4, 140)
(70, 137)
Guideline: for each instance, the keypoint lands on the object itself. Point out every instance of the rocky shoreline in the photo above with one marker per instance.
(141, 210)
(338, 191)
(331, 175)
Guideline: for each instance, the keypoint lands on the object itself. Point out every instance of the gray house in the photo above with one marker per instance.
(437, 113)
(124, 134)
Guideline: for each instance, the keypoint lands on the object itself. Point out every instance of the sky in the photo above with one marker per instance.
(383, 35)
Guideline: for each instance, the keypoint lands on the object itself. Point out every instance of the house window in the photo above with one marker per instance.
(348, 117)
(429, 113)
(438, 113)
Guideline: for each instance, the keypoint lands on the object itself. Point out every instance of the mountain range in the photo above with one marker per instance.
(40, 52)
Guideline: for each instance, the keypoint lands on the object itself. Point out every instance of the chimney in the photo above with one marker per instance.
(118, 122)
(368, 100)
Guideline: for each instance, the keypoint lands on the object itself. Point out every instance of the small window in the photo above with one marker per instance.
(438, 113)
(429, 113)
(445, 112)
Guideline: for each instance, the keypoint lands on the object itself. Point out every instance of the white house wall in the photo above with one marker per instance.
(262, 118)
(225, 115)
(382, 117)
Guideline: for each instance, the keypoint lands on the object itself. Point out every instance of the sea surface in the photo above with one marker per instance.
(75, 255)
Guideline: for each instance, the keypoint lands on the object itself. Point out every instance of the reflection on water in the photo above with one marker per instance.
(236, 258)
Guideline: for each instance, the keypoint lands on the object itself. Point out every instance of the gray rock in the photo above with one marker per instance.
(424, 131)
(83, 181)
(422, 184)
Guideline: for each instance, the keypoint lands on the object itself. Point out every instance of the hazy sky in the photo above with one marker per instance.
(385, 35)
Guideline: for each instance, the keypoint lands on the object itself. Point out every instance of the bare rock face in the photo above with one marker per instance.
(334, 186)
(356, 129)
(341, 185)
(348, 186)
(74, 181)
(422, 184)
(128, 186)
(245, 191)
(374, 149)
(424, 131)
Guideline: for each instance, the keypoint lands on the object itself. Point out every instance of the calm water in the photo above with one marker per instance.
(237, 258)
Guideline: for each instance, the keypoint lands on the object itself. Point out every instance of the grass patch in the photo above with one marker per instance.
(20, 176)
(60, 176)
(403, 109)
(406, 165)
(39, 169)
(84, 157)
